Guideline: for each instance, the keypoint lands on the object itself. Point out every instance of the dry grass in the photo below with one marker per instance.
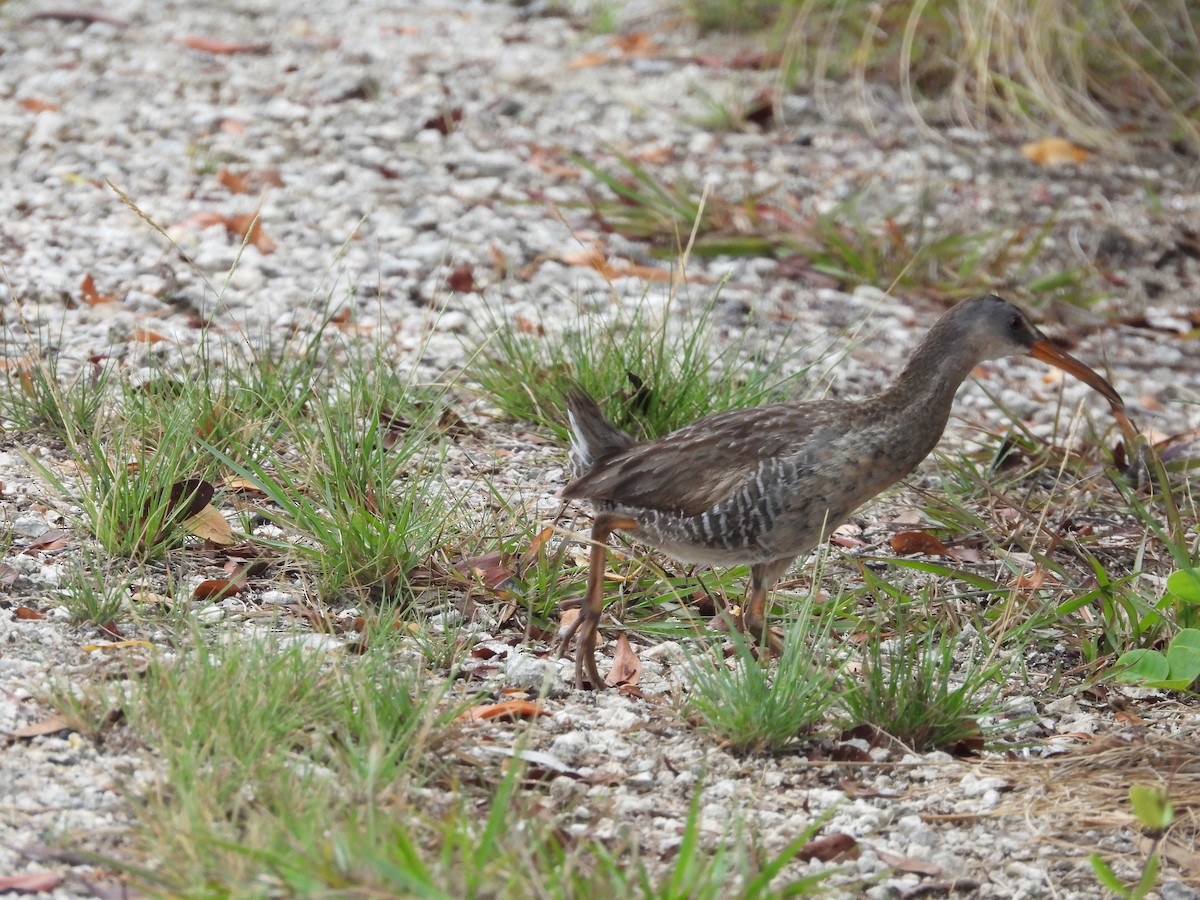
(1108, 75)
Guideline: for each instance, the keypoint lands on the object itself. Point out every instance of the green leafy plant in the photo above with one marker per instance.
(1154, 811)
(1175, 670)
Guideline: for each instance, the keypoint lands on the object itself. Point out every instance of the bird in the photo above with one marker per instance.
(762, 486)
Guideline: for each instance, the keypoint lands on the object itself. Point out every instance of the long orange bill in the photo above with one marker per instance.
(1046, 352)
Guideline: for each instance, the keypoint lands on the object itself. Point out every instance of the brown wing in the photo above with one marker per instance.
(694, 468)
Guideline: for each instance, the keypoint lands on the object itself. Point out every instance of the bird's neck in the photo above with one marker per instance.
(921, 396)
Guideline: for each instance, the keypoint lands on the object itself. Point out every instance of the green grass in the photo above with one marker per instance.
(892, 247)
(653, 371)
(755, 708)
(912, 688)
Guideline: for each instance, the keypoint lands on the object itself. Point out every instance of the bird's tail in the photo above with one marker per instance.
(593, 437)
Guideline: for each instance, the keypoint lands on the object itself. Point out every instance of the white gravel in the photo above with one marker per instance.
(375, 207)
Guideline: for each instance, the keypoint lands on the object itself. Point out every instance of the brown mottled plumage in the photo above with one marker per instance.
(762, 486)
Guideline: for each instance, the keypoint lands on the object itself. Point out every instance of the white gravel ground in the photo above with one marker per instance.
(376, 207)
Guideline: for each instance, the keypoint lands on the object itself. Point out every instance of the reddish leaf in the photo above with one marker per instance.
(91, 296)
(526, 326)
(146, 336)
(31, 883)
(235, 184)
(626, 667)
(36, 105)
(828, 848)
(315, 618)
(54, 539)
(221, 48)
(508, 709)
(248, 224)
(24, 612)
(908, 542)
(462, 279)
(189, 496)
(446, 122)
(217, 588)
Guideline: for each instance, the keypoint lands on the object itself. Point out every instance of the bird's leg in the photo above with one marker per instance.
(754, 612)
(587, 623)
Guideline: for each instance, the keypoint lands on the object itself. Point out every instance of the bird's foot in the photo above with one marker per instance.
(763, 635)
(588, 628)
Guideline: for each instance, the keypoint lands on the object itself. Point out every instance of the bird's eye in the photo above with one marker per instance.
(1014, 323)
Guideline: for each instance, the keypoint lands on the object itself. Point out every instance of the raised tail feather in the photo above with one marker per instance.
(593, 437)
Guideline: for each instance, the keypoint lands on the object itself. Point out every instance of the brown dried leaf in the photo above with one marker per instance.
(32, 105)
(218, 47)
(91, 296)
(445, 122)
(828, 848)
(31, 883)
(210, 525)
(587, 61)
(51, 724)
(627, 666)
(316, 619)
(636, 43)
(232, 182)
(908, 542)
(218, 588)
(462, 279)
(53, 539)
(146, 336)
(249, 224)
(27, 613)
(1051, 152)
(908, 864)
(507, 709)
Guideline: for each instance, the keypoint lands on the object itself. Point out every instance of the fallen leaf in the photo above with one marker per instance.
(188, 497)
(508, 709)
(248, 228)
(626, 667)
(115, 645)
(462, 279)
(218, 47)
(587, 61)
(907, 863)
(1051, 152)
(33, 105)
(53, 539)
(146, 336)
(445, 122)
(636, 43)
(31, 883)
(218, 588)
(909, 542)
(534, 550)
(210, 525)
(526, 326)
(28, 614)
(91, 296)
(828, 848)
(232, 182)
(51, 724)
(1033, 580)
(314, 617)
(79, 15)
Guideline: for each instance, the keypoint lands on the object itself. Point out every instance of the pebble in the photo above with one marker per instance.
(375, 202)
